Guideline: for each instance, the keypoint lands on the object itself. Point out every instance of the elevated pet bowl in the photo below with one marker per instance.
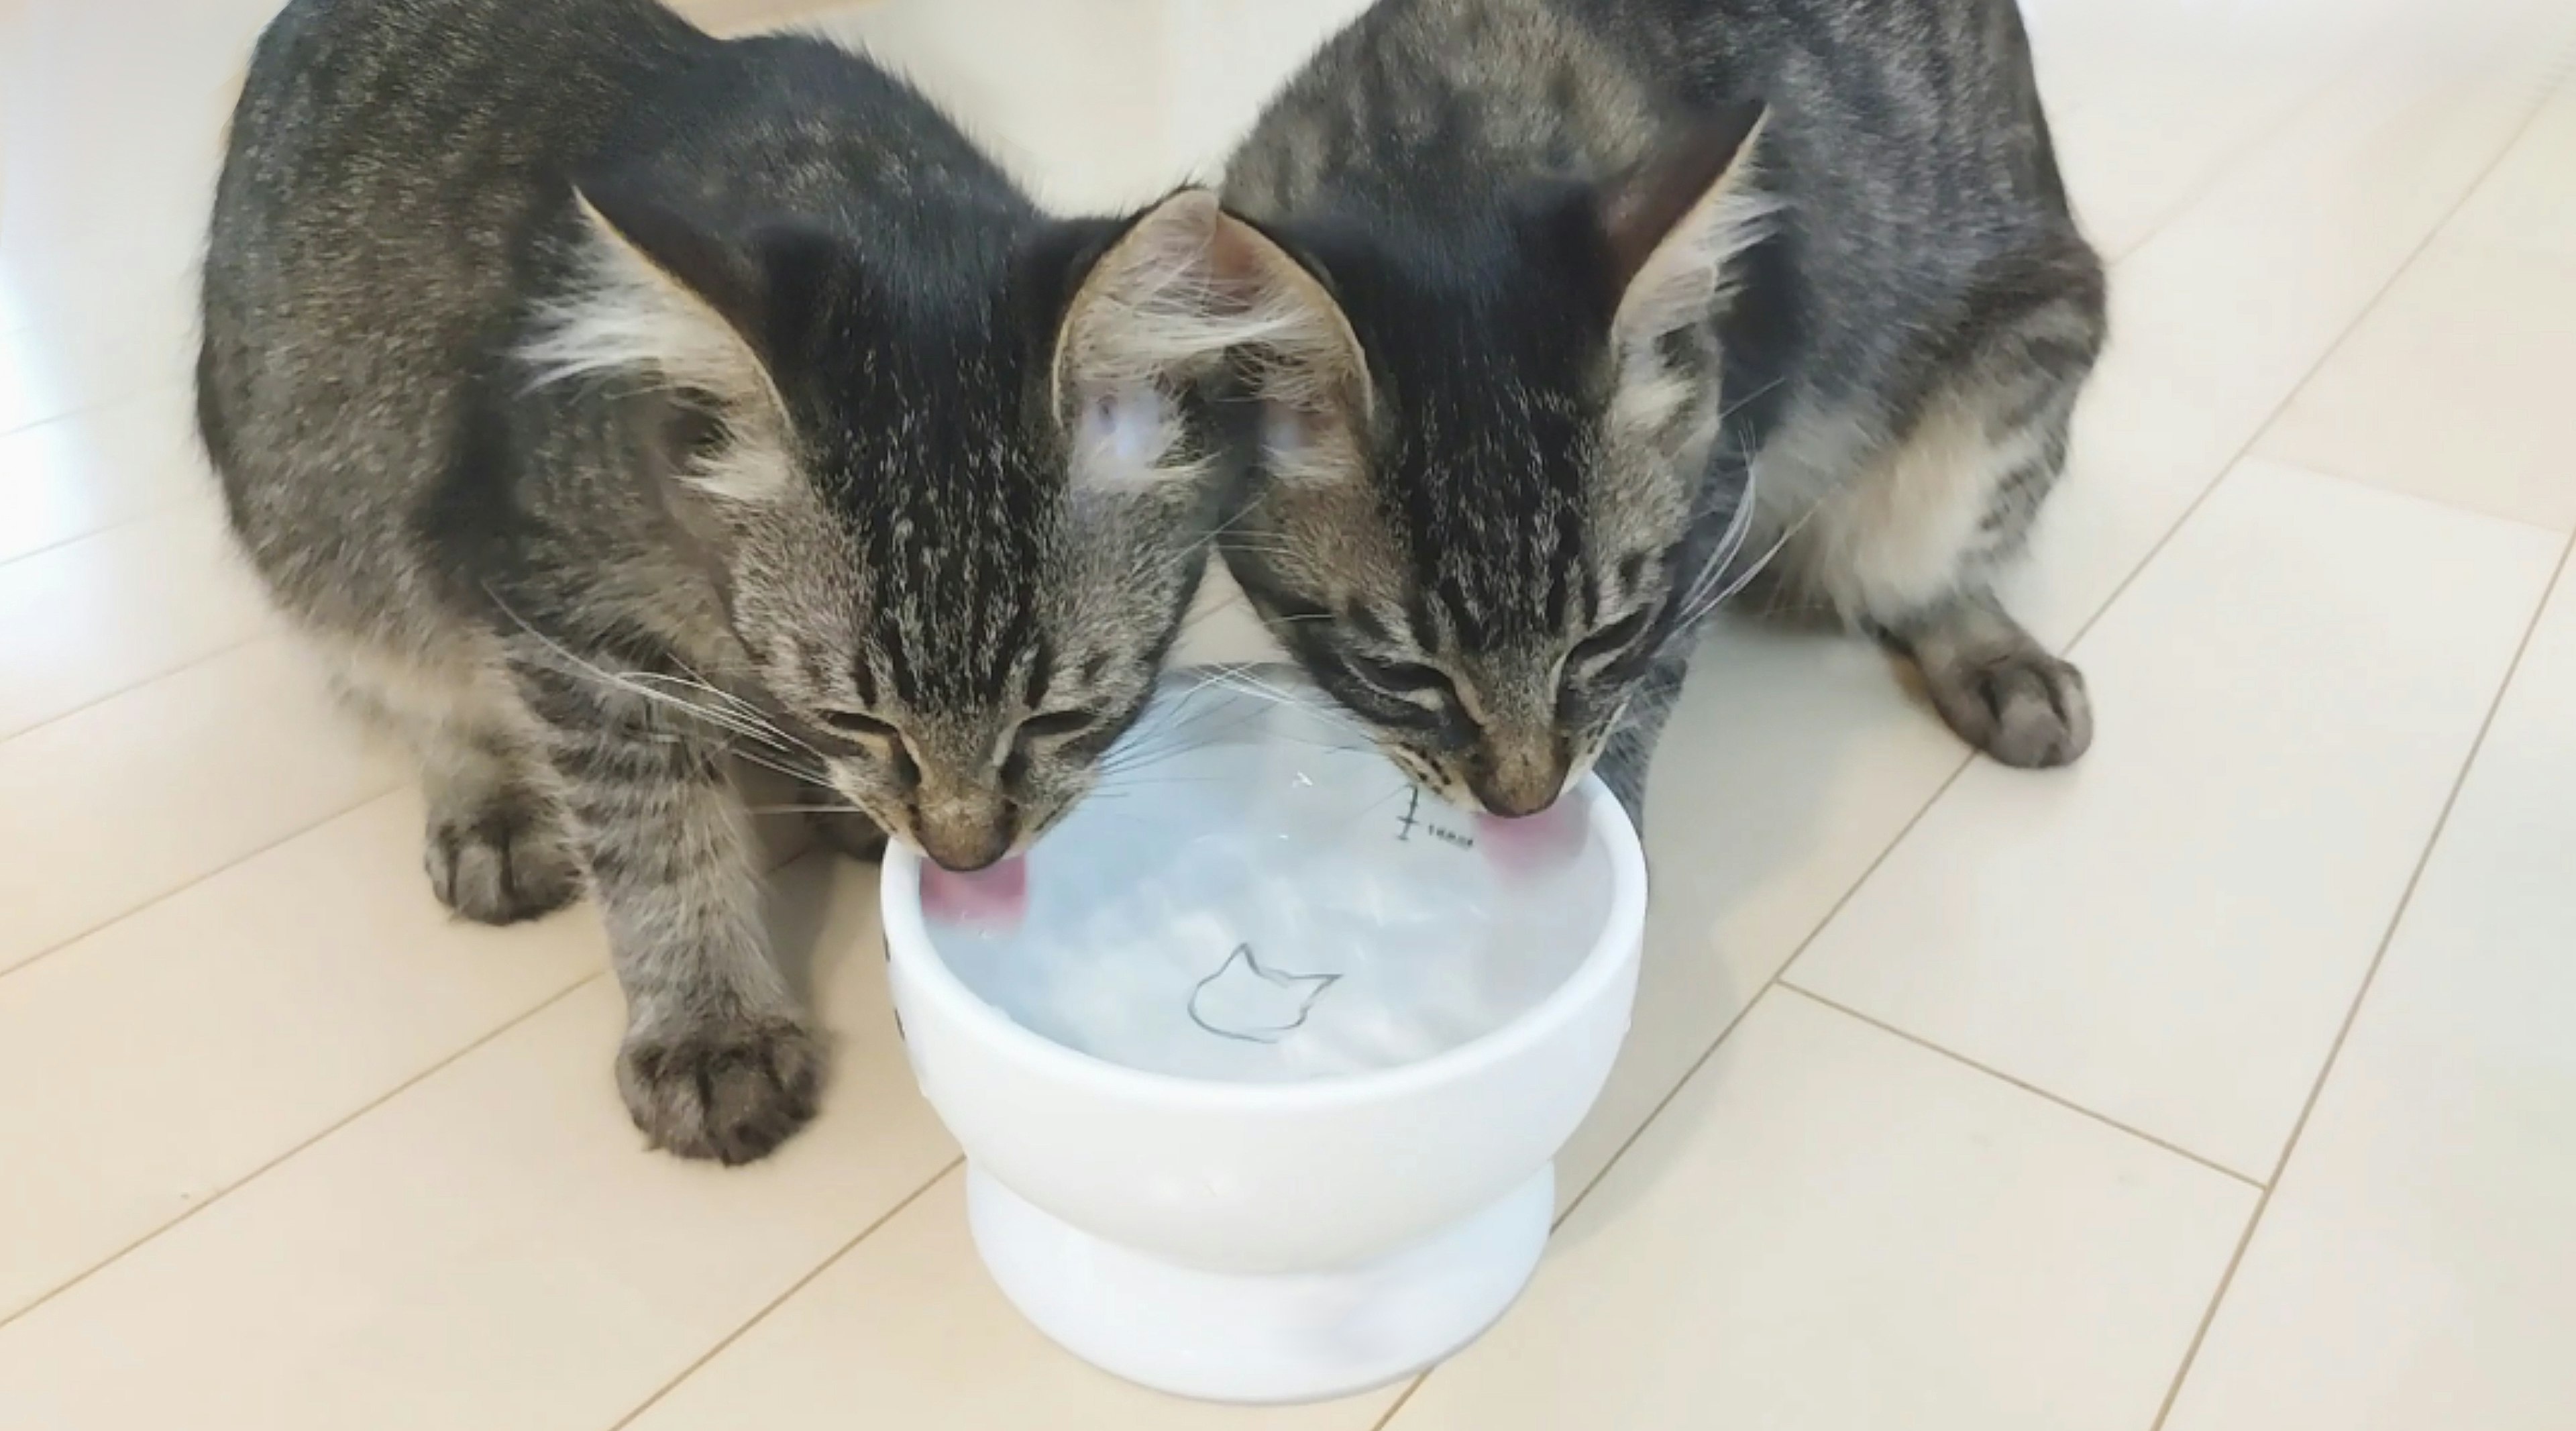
(1260, 1089)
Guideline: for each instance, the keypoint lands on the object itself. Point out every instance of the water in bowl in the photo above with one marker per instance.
(1255, 895)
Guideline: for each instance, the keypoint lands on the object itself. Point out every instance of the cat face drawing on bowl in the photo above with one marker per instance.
(1250, 1002)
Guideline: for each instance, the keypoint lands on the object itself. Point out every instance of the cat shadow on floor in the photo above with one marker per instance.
(816, 934)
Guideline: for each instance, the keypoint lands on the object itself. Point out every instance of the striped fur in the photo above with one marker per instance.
(608, 401)
(1895, 354)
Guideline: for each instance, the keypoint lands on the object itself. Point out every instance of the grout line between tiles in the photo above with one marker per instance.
(1403, 1399)
(158, 508)
(799, 1285)
(2023, 1084)
(174, 891)
(2369, 978)
(250, 638)
(2255, 147)
(2380, 294)
(353, 1115)
(2216, 479)
(770, 869)
(86, 407)
(1808, 938)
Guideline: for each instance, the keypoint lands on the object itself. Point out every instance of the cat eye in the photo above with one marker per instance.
(1610, 639)
(1049, 725)
(1409, 678)
(857, 725)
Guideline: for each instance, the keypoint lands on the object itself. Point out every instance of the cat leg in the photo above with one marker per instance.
(1906, 541)
(1906, 548)
(495, 847)
(1994, 683)
(718, 1060)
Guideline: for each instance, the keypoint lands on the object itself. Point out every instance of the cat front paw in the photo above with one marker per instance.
(501, 864)
(2025, 708)
(731, 1090)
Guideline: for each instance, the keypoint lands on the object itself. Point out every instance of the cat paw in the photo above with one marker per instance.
(2025, 708)
(730, 1090)
(501, 864)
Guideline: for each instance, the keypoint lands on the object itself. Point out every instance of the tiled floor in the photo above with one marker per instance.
(2224, 1083)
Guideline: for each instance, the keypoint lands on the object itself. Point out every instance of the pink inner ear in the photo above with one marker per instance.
(1641, 209)
(1126, 428)
(1285, 429)
(993, 898)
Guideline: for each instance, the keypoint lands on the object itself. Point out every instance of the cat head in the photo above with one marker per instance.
(1480, 456)
(954, 506)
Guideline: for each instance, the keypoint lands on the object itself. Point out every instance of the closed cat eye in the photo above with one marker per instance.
(857, 724)
(1611, 638)
(1050, 724)
(1411, 678)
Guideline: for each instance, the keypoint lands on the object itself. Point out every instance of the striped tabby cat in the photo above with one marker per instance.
(1607, 299)
(602, 398)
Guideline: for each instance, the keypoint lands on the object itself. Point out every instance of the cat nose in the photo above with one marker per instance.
(964, 839)
(1520, 777)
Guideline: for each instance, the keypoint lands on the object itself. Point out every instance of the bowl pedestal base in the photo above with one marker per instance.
(1263, 1338)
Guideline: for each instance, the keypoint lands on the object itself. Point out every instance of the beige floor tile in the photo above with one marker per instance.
(1833, 1228)
(2146, 446)
(2171, 933)
(2527, 202)
(2241, 294)
(132, 798)
(2417, 1266)
(113, 138)
(2221, 315)
(1054, 89)
(2149, 103)
(1793, 762)
(73, 477)
(2453, 386)
(82, 621)
(733, 16)
(493, 1248)
(56, 365)
(1099, 107)
(907, 1330)
(184, 1047)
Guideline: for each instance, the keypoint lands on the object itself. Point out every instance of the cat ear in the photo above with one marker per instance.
(1673, 228)
(666, 299)
(1186, 288)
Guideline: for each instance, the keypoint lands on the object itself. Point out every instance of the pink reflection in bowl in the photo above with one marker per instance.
(993, 898)
(1532, 843)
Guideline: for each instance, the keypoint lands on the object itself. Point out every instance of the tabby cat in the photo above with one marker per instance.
(1609, 299)
(602, 397)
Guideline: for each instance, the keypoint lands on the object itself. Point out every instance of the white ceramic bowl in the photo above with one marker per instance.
(1268, 1241)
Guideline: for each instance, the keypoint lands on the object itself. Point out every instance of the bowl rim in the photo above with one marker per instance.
(1618, 946)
